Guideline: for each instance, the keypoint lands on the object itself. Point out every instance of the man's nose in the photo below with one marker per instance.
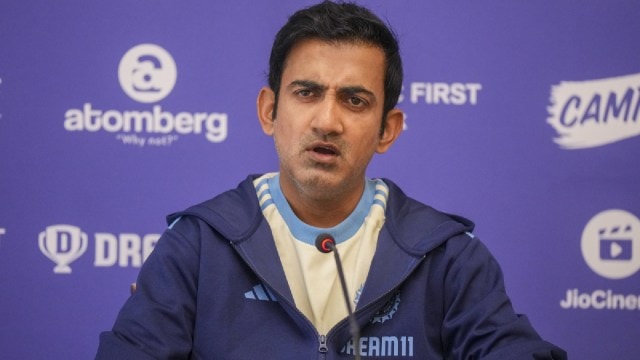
(328, 118)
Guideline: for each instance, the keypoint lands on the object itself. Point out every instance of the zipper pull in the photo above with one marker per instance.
(323, 344)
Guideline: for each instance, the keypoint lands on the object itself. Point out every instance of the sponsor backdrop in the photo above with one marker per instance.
(521, 115)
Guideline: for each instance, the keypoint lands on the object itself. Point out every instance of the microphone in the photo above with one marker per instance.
(325, 243)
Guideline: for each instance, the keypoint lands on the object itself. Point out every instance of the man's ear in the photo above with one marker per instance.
(265, 105)
(393, 128)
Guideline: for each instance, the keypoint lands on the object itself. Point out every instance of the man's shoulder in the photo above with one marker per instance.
(234, 212)
(420, 226)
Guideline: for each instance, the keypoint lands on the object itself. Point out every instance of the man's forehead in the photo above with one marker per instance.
(335, 64)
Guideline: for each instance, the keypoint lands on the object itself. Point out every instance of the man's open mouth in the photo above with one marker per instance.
(326, 150)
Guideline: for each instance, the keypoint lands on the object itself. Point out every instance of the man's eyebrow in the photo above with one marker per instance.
(307, 84)
(352, 90)
(346, 90)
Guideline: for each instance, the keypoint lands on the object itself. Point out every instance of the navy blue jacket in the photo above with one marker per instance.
(214, 288)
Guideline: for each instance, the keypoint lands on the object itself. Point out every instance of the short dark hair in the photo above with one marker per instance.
(339, 22)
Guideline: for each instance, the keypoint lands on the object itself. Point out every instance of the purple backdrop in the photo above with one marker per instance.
(521, 115)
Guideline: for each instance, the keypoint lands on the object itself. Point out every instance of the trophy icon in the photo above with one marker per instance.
(62, 244)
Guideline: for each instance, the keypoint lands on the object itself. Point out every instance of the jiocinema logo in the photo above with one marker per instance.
(611, 244)
(611, 248)
(599, 300)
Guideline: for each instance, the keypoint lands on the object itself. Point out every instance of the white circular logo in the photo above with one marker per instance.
(147, 73)
(611, 244)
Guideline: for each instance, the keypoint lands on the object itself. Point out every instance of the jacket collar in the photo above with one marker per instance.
(411, 230)
(416, 228)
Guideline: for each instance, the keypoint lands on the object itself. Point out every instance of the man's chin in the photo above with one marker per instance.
(315, 180)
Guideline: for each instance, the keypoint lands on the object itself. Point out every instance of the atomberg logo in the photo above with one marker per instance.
(147, 74)
(611, 248)
(594, 113)
(63, 244)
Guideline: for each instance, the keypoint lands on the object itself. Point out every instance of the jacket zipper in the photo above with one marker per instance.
(323, 344)
(323, 348)
(323, 339)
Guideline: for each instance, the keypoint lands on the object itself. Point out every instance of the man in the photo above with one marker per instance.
(240, 277)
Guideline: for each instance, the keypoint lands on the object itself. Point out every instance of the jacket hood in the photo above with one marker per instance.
(235, 213)
(415, 227)
(418, 228)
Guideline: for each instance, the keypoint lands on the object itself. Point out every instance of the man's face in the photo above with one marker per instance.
(329, 117)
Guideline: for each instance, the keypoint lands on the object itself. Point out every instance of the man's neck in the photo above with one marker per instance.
(320, 210)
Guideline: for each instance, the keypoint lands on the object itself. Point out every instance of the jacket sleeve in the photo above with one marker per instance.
(479, 321)
(157, 321)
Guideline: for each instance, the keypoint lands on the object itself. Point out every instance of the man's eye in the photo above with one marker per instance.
(304, 93)
(356, 101)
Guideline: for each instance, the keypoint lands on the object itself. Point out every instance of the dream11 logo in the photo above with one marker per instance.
(64, 244)
(611, 248)
(147, 74)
